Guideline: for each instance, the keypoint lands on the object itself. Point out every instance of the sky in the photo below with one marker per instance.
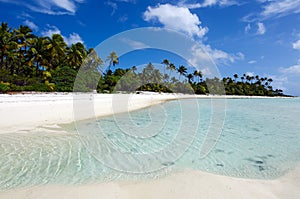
(255, 37)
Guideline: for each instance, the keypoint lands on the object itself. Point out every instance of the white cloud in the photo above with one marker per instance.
(50, 31)
(71, 39)
(247, 28)
(294, 70)
(274, 9)
(279, 82)
(209, 3)
(134, 44)
(31, 25)
(176, 18)
(296, 45)
(250, 74)
(252, 62)
(204, 55)
(52, 7)
(261, 29)
(281, 8)
(219, 2)
(114, 4)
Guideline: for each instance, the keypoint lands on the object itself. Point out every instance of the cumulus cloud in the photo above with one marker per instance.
(296, 45)
(176, 18)
(261, 29)
(31, 25)
(71, 39)
(204, 54)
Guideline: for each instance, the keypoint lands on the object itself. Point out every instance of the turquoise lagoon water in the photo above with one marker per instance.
(260, 139)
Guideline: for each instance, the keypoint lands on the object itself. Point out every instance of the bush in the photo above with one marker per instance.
(4, 87)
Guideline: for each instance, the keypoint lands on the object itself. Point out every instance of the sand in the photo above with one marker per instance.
(20, 113)
(188, 184)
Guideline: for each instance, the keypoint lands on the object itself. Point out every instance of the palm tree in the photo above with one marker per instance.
(270, 80)
(56, 47)
(113, 59)
(37, 53)
(198, 73)
(182, 71)
(24, 38)
(6, 39)
(171, 67)
(75, 55)
(190, 78)
(235, 77)
(134, 69)
(166, 63)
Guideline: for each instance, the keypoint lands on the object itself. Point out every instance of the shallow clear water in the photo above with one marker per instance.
(260, 139)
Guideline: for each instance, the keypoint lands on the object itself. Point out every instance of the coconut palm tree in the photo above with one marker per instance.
(171, 67)
(75, 55)
(182, 70)
(56, 48)
(235, 77)
(113, 59)
(166, 63)
(198, 73)
(190, 78)
(6, 41)
(37, 54)
(134, 69)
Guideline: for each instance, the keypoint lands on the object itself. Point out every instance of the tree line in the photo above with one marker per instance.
(46, 64)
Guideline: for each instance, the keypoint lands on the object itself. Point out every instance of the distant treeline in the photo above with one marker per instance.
(46, 64)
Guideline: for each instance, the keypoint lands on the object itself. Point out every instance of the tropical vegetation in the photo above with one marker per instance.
(47, 64)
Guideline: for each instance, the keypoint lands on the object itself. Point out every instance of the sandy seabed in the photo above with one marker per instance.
(21, 113)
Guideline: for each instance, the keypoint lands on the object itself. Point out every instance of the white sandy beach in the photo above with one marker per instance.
(20, 113)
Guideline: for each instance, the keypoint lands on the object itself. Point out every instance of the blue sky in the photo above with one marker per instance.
(259, 37)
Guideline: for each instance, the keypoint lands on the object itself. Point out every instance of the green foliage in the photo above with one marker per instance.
(33, 63)
(4, 87)
(64, 78)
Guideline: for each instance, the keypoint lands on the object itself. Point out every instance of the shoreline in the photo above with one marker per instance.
(23, 112)
(188, 183)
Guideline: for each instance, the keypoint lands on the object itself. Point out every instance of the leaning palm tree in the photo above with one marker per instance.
(182, 70)
(113, 59)
(198, 73)
(171, 67)
(166, 63)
